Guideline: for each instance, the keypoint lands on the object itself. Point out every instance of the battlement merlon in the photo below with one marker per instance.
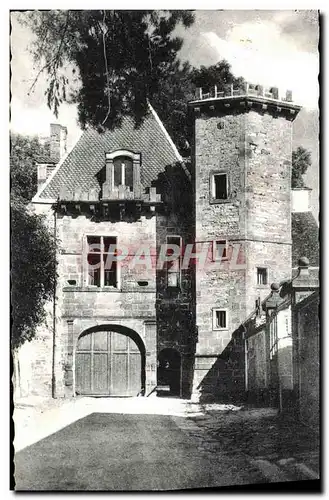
(250, 95)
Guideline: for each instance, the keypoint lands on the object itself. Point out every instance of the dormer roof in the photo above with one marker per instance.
(80, 167)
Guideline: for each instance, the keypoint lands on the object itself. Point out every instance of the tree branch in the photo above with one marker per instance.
(54, 62)
(106, 72)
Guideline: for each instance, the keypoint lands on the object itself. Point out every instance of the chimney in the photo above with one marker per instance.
(46, 166)
(58, 135)
(300, 199)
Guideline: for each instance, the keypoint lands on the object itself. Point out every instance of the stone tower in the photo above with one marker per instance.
(242, 156)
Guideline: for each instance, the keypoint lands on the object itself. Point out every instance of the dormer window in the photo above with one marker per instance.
(123, 172)
(123, 169)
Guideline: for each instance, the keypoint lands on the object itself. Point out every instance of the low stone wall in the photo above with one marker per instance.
(308, 360)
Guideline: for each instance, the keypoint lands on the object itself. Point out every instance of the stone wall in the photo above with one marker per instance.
(131, 305)
(257, 364)
(161, 317)
(218, 144)
(33, 363)
(307, 362)
(268, 177)
(275, 257)
(254, 149)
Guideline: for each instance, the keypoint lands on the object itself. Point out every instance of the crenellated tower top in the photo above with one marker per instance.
(250, 95)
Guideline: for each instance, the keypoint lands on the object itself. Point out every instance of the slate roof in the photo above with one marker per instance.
(305, 238)
(45, 159)
(87, 158)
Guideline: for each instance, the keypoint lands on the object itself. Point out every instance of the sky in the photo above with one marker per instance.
(274, 48)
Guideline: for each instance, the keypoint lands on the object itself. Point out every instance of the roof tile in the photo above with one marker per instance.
(87, 158)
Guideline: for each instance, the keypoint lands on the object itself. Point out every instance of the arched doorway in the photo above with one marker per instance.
(110, 361)
(169, 370)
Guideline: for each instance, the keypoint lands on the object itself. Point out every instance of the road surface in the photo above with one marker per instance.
(115, 452)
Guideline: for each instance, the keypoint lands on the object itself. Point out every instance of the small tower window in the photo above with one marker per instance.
(219, 250)
(219, 319)
(262, 278)
(220, 186)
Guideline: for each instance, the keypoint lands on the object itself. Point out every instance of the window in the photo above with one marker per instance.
(123, 172)
(173, 266)
(219, 188)
(122, 169)
(261, 276)
(219, 319)
(102, 269)
(219, 250)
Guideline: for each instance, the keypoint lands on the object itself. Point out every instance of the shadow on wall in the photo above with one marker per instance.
(175, 286)
(225, 381)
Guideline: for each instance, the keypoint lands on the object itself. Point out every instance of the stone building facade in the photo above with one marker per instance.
(135, 328)
(242, 158)
(121, 329)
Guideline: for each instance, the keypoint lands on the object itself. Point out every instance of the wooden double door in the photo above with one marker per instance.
(108, 364)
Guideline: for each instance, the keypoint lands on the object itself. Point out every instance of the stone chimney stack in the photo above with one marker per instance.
(46, 166)
(300, 199)
(58, 135)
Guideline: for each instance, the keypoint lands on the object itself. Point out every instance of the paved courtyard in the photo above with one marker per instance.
(156, 444)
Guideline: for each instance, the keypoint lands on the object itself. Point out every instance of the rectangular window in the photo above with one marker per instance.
(219, 320)
(174, 248)
(219, 189)
(219, 250)
(102, 269)
(261, 276)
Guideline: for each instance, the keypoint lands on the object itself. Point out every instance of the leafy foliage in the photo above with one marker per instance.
(120, 57)
(179, 88)
(23, 172)
(33, 274)
(301, 160)
(33, 260)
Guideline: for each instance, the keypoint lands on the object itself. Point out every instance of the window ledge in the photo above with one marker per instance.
(214, 201)
(220, 329)
(106, 290)
(90, 289)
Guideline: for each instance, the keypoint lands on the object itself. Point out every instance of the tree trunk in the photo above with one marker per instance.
(16, 378)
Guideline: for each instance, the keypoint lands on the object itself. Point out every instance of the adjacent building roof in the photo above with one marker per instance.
(81, 166)
(45, 160)
(305, 238)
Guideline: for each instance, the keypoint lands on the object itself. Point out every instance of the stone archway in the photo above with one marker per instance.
(110, 361)
(169, 370)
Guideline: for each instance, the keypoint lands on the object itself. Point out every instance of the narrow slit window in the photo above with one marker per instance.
(219, 186)
(262, 278)
(174, 248)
